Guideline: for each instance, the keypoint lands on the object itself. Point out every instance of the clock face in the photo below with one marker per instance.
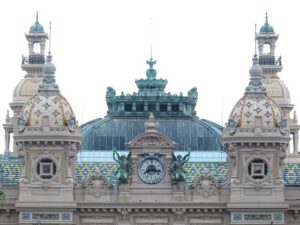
(151, 168)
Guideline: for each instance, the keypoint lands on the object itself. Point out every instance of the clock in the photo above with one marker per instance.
(151, 168)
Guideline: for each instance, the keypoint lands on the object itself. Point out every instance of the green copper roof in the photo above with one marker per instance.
(151, 97)
(36, 27)
(266, 28)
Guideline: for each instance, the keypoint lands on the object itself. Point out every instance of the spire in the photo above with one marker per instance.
(255, 47)
(49, 75)
(151, 36)
(37, 17)
(255, 85)
(49, 38)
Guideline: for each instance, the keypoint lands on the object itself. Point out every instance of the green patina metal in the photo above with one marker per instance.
(177, 171)
(123, 171)
(151, 97)
(266, 28)
(36, 27)
(2, 197)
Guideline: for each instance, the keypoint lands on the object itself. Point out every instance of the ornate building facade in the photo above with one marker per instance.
(151, 160)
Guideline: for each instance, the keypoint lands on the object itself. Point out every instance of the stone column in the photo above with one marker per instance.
(7, 141)
(295, 141)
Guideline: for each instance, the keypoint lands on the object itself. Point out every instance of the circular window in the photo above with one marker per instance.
(46, 169)
(258, 169)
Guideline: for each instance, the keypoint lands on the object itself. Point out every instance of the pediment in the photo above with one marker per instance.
(151, 139)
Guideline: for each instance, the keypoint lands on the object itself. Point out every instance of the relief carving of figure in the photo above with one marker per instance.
(71, 122)
(21, 124)
(232, 125)
(72, 155)
(177, 171)
(124, 170)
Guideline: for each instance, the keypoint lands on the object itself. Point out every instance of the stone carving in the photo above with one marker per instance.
(193, 95)
(123, 172)
(123, 214)
(71, 122)
(232, 154)
(282, 126)
(232, 125)
(21, 124)
(205, 185)
(177, 171)
(110, 94)
(22, 157)
(97, 185)
(179, 214)
(151, 124)
(71, 157)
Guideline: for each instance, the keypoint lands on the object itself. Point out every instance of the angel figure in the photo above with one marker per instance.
(177, 171)
(124, 170)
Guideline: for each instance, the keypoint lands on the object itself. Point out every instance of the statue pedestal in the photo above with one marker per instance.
(179, 191)
(123, 193)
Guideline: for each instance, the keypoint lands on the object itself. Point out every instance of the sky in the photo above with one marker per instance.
(95, 44)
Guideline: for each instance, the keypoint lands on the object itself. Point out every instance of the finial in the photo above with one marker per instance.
(49, 38)
(255, 47)
(7, 116)
(255, 85)
(151, 34)
(151, 124)
(266, 17)
(37, 17)
(295, 117)
(151, 72)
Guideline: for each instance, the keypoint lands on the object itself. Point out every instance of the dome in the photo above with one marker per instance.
(255, 109)
(47, 107)
(53, 109)
(188, 133)
(251, 111)
(26, 88)
(277, 90)
(36, 28)
(49, 68)
(266, 28)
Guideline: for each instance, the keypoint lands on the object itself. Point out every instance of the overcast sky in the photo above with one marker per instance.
(95, 44)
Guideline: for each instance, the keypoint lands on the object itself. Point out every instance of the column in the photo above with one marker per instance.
(295, 141)
(7, 140)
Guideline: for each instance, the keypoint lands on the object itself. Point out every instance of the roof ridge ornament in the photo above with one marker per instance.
(151, 72)
(151, 124)
(255, 85)
(37, 17)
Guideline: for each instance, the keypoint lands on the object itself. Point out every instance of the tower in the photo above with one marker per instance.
(33, 65)
(256, 139)
(275, 87)
(47, 140)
